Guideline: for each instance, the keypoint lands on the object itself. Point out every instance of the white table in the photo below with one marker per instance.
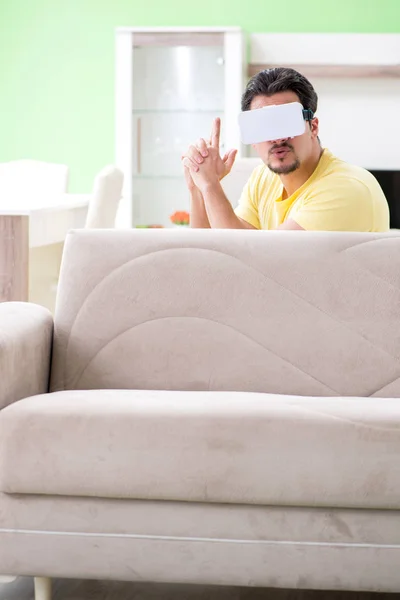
(33, 223)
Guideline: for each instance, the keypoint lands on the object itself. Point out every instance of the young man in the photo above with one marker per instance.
(300, 186)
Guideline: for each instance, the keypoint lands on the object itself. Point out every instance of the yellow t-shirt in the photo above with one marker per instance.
(337, 197)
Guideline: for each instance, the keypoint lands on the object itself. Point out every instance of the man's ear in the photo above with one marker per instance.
(314, 125)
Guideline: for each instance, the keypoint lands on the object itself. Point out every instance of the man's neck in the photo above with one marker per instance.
(293, 181)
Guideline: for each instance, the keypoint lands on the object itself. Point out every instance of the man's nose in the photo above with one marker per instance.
(280, 141)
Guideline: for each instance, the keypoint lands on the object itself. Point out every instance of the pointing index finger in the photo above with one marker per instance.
(215, 133)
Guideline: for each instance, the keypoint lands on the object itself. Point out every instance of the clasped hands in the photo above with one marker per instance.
(203, 165)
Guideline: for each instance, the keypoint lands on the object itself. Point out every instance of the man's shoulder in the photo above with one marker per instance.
(343, 174)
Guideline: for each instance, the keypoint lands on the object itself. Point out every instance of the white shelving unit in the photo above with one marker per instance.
(170, 85)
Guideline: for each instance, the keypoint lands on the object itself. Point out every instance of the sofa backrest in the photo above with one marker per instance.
(281, 312)
(234, 183)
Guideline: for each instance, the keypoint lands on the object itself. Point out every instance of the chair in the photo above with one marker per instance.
(102, 211)
(107, 192)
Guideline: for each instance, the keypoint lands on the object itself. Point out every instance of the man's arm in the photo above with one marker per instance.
(198, 213)
(216, 206)
(290, 225)
(220, 212)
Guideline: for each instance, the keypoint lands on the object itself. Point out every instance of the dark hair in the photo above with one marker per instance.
(280, 79)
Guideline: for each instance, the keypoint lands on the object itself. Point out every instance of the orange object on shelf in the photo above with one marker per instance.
(180, 217)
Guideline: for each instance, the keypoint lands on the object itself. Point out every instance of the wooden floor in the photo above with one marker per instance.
(65, 589)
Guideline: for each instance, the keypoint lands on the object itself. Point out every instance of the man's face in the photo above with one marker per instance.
(285, 155)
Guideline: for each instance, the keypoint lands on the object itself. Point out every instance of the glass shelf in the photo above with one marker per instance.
(177, 111)
(178, 77)
(147, 177)
(159, 139)
(177, 92)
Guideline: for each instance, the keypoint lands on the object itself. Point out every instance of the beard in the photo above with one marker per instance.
(283, 169)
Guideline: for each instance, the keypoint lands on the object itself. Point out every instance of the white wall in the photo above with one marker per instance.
(359, 118)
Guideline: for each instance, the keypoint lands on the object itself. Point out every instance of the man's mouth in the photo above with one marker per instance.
(281, 152)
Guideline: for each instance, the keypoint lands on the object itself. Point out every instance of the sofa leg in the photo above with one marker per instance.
(42, 588)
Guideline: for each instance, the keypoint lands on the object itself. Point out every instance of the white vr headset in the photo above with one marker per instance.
(275, 122)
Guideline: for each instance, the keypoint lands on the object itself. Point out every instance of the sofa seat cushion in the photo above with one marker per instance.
(230, 447)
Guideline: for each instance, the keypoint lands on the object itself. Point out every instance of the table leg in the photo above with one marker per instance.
(14, 258)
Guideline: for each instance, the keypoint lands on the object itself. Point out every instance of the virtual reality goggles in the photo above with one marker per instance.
(275, 122)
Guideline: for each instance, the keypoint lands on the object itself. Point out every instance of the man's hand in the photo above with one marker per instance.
(205, 157)
(206, 175)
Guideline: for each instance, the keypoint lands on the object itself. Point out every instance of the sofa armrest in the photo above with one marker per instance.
(26, 334)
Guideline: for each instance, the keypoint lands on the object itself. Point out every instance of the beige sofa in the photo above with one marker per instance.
(224, 408)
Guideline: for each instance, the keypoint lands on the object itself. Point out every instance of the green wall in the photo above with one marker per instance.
(57, 63)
